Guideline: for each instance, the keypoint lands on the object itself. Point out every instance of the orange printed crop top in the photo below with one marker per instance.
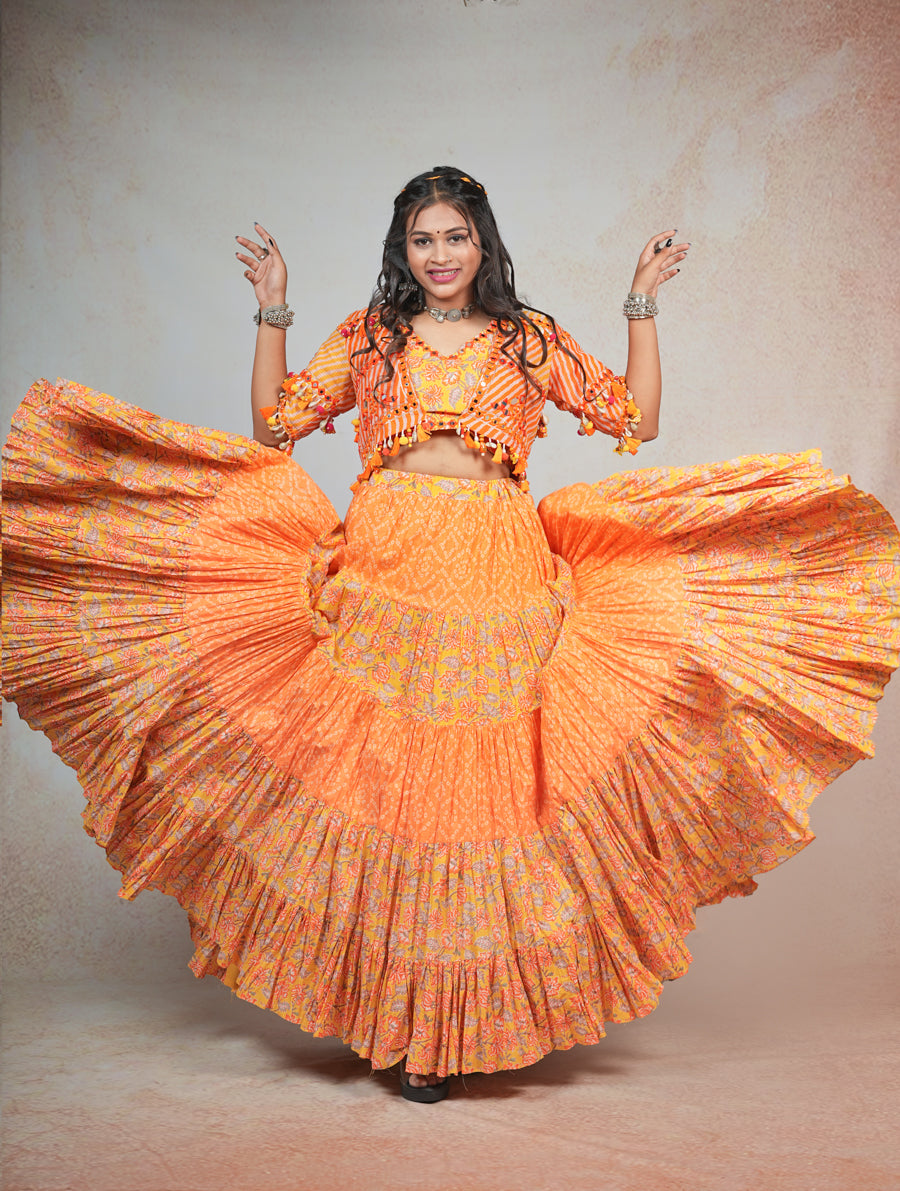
(478, 392)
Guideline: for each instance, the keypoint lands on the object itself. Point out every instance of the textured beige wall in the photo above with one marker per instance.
(140, 136)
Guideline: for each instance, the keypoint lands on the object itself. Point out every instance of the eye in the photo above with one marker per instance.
(421, 242)
(460, 236)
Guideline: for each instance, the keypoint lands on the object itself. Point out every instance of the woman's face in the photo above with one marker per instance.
(443, 257)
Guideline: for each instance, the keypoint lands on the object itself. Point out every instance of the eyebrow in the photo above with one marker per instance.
(462, 228)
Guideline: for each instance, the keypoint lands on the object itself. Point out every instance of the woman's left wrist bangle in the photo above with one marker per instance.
(640, 306)
(275, 316)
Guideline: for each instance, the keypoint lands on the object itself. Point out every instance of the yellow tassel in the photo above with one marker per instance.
(498, 455)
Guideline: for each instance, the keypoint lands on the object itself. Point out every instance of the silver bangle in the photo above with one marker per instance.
(275, 316)
(640, 306)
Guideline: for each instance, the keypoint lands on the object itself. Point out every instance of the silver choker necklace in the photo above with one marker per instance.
(452, 316)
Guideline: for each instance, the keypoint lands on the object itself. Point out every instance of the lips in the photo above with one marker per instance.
(443, 275)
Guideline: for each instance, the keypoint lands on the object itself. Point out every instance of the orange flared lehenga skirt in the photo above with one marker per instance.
(450, 779)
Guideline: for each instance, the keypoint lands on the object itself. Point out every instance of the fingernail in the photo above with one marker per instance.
(669, 242)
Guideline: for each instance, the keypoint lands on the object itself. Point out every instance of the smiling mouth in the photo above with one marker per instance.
(443, 274)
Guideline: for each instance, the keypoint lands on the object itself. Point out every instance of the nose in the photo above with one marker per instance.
(440, 251)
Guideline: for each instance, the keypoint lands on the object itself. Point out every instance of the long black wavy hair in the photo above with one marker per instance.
(398, 296)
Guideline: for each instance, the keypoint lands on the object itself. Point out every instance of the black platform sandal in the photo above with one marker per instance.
(429, 1094)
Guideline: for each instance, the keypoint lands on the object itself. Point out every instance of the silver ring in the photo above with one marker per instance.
(265, 253)
(657, 247)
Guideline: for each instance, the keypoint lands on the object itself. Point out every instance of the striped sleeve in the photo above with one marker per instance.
(584, 386)
(318, 394)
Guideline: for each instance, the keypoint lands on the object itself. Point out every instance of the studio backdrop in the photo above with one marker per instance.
(141, 135)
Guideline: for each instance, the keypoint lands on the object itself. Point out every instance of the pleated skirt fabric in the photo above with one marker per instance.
(448, 779)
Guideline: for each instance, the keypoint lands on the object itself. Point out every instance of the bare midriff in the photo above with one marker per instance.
(445, 454)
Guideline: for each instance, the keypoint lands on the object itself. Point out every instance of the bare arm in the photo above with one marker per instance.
(267, 273)
(643, 374)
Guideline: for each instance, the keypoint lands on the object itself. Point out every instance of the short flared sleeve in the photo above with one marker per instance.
(582, 385)
(319, 393)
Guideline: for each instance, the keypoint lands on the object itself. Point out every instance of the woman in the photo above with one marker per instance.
(450, 779)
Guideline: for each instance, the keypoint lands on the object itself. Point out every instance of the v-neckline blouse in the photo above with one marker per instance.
(445, 384)
(484, 334)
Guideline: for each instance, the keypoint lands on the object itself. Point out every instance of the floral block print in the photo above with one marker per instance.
(451, 778)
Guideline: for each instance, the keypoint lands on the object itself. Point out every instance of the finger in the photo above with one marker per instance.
(660, 244)
(260, 251)
(253, 261)
(268, 239)
(659, 240)
(250, 245)
(669, 258)
(668, 275)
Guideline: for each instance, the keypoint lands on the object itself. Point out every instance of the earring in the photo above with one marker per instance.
(412, 289)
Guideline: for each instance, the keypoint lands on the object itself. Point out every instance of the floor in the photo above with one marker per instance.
(175, 1085)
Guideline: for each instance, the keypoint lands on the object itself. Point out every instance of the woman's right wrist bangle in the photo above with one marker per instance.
(275, 316)
(640, 306)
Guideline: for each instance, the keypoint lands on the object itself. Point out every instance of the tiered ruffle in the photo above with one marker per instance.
(424, 781)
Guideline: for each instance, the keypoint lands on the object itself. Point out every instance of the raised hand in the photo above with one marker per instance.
(266, 270)
(658, 263)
